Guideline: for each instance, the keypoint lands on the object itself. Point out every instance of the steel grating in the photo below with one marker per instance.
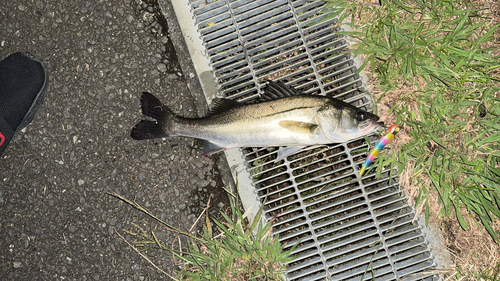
(348, 228)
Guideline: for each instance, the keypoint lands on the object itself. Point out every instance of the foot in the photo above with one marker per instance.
(23, 82)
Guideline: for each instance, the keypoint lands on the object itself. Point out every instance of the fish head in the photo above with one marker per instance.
(342, 122)
(357, 122)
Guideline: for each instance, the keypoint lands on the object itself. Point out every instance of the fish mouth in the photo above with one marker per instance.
(372, 127)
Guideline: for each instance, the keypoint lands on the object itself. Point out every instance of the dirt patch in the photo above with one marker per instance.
(475, 255)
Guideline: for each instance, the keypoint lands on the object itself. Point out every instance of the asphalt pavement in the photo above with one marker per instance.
(57, 221)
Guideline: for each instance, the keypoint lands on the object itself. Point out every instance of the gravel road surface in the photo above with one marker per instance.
(57, 221)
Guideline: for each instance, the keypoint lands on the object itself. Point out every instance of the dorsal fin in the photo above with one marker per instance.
(220, 104)
(278, 90)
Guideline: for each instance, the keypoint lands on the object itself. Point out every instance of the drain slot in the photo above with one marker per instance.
(348, 227)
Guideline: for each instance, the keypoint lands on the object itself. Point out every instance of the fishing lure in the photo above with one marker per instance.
(380, 145)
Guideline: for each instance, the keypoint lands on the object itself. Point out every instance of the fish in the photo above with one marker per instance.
(393, 130)
(284, 117)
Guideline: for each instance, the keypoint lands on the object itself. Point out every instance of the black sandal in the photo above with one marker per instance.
(24, 80)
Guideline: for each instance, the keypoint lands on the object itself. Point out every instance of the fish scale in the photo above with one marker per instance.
(292, 120)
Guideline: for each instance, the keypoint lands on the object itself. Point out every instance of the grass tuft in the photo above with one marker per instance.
(444, 50)
(235, 253)
(229, 250)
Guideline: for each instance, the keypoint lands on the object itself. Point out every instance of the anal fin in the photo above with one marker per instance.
(210, 148)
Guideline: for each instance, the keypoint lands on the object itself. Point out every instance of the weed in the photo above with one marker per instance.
(492, 274)
(442, 49)
(235, 253)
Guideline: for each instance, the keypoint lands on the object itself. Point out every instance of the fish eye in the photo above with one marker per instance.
(360, 116)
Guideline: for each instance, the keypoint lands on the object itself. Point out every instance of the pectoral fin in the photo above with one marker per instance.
(299, 127)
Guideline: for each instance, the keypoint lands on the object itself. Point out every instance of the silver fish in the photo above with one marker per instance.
(287, 119)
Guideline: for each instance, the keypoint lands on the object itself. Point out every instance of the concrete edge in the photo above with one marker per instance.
(189, 48)
(186, 53)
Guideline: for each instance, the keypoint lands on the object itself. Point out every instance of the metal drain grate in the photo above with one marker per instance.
(349, 228)
(282, 40)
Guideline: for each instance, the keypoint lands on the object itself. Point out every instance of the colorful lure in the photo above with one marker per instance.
(380, 145)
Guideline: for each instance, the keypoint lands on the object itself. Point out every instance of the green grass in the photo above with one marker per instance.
(441, 48)
(235, 254)
(226, 251)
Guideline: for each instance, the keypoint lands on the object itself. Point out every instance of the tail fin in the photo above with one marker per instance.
(151, 106)
(146, 129)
